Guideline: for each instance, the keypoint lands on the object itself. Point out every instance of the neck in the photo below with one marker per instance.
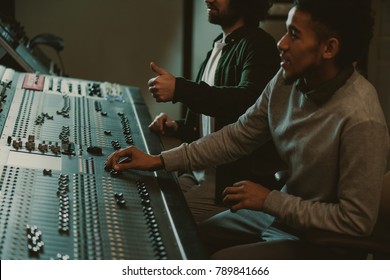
(229, 29)
(320, 76)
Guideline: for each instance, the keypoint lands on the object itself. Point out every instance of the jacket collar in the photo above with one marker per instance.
(236, 35)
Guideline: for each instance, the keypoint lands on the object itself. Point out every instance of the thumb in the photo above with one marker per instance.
(170, 127)
(156, 69)
(170, 124)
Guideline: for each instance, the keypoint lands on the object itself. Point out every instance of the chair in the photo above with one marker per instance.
(375, 246)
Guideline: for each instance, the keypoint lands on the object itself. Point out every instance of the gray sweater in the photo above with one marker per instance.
(334, 142)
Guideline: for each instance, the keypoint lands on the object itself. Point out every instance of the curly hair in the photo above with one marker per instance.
(351, 22)
(253, 11)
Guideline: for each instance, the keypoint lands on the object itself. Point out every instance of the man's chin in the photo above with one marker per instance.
(213, 19)
(288, 80)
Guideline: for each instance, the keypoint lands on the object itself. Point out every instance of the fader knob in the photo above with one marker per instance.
(121, 202)
(118, 195)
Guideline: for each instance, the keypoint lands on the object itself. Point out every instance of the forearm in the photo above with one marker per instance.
(216, 101)
(237, 86)
(226, 145)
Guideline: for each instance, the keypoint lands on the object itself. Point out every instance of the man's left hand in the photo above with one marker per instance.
(245, 195)
(162, 86)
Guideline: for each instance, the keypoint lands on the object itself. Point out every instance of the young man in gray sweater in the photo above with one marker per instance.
(327, 124)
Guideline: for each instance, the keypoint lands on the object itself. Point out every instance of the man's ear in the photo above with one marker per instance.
(331, 48)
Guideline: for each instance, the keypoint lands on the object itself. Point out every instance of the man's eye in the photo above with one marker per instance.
(293, 35)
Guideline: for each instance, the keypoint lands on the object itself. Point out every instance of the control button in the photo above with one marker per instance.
(106, 167)
(119, 195)
(94, 150)
(121, 202)
(145, 202)
(114, 173)
(47, 172)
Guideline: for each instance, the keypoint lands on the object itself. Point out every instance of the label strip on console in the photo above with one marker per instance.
(33, 82)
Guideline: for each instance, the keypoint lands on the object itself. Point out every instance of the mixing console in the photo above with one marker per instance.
(56, 199)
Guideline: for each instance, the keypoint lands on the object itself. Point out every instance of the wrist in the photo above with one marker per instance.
(157, 163)
(162, 163)
(177, 90)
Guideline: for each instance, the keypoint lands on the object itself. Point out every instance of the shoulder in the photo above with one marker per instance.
(260, 35)
(359, 100)
(258, 41)
(358, 81)
(252, 35)
(358, 88)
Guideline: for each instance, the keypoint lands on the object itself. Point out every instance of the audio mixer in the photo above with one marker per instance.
(56, 199)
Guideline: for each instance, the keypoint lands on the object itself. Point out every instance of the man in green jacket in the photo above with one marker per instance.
(243, 59)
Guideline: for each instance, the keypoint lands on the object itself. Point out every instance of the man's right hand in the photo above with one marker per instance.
(133, 158)
(163, 125)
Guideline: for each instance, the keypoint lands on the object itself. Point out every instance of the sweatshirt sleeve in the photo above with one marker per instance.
(226, 145)
(363, 152)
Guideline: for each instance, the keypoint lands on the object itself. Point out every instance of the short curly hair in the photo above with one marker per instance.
(253, 11)
(352, 22)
